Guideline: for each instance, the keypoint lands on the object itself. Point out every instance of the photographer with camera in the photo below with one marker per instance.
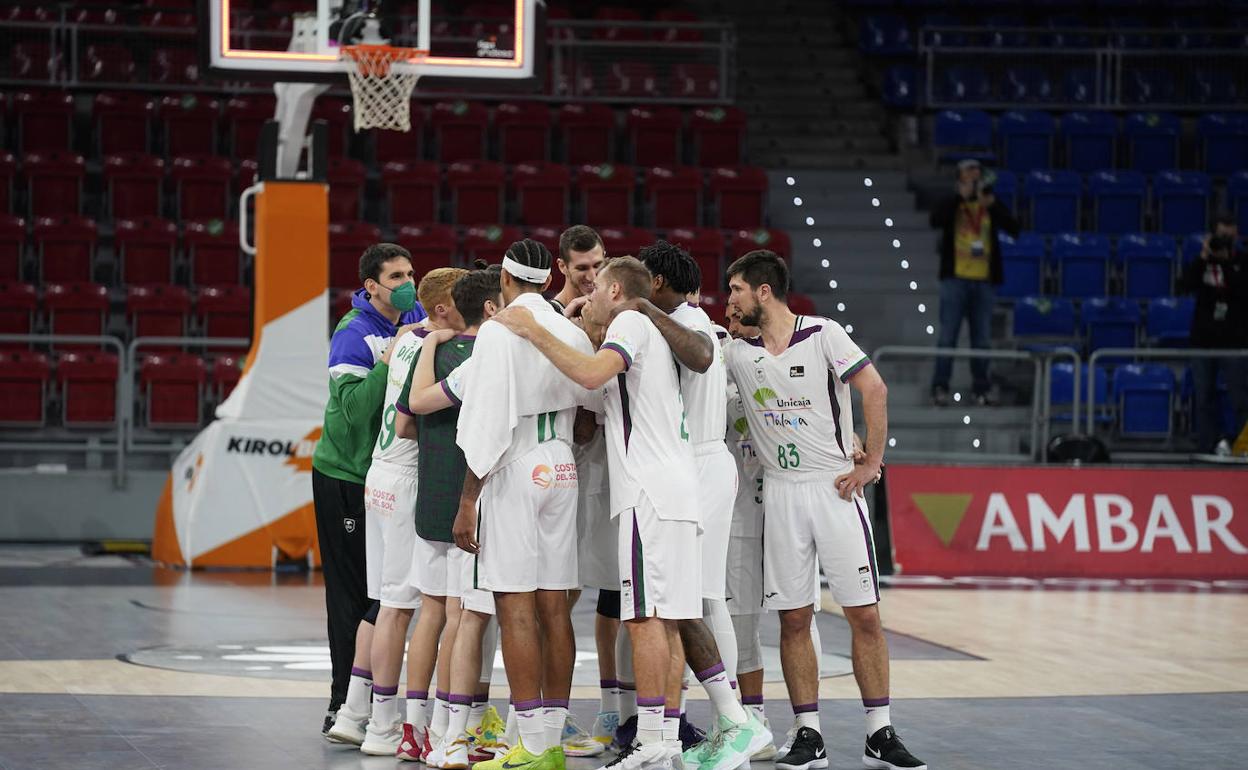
(970, 267)
(1219, 282)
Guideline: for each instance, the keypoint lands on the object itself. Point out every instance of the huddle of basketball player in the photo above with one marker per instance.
(488, 453)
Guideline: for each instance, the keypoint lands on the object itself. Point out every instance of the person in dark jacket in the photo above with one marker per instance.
(971, 220)
(1219, 282)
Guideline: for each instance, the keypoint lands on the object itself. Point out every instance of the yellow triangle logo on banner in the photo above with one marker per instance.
(943, 512)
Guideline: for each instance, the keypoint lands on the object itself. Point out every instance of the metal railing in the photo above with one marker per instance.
(1057, 68)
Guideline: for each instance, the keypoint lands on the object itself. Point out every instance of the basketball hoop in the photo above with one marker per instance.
(382, 92)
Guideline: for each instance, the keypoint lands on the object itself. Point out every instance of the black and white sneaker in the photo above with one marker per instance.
(330, 718)
(806, 752)
(885, 751)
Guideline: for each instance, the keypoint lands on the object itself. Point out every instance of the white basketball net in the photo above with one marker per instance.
(382, 93)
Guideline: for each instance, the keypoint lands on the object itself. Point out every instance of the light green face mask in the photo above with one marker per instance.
(403, 297)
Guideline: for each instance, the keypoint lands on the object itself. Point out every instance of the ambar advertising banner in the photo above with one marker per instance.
(1063, 522)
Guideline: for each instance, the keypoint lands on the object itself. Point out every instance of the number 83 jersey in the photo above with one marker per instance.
(798, 403)
(389, 447)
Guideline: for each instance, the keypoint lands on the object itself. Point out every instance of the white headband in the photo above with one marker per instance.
(524, 272)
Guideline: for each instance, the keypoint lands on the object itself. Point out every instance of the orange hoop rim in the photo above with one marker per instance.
(380, 57)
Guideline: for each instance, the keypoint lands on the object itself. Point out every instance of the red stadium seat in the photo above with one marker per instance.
(337, 113)
(489, 242)
(346, 189)
(339, 304)
(632, 79)
(160, 310)
(476, 191)
(75, 308)
(12, 247)
(718, 136)
(696, 80)
(401, 146)
(654, 135)
(172, 388)
(212, 248)
(347, 241)
(190, 125)
(431, 246)
(245, 176)
(411, 191)
(105, 63)
(146, 248)
(620, 32)
(24, 380)
(36, 61)
(134, 184)
(542, 192)
(587, 132)
(17, 311)
(226, 372)
(801, 304)
(606, 194)
(225, 311)
(523, 131)
(245, 115)
(123, 122)
(625, 241)
(54, 182)
(44, 120)
(674, 196)
(8, 172)
(201, 187)
(745, 241)
(65, 247)
(174, 66)
(459, 130)
(706, 246)
(678, 34)
(548, 237)
(740, 196)
(88, 383)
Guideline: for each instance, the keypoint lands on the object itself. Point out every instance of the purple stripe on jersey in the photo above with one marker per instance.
(638, 572)
(628, 417)
(628, 360)
(755, 341)
(836, 411)
(421, 332)
(858, 367)
(402, 407)
(464, 337)
(721, 335)
(866, 536)
(447, 390)
(802, 334)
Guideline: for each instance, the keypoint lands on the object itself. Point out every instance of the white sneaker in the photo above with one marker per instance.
(650, 756)
(382, 741)
(437, 757)
(455, 754)
(348, 727)
(605, 725)
(1223, 449)
(768, 752)
(789, 737)
(578, 743)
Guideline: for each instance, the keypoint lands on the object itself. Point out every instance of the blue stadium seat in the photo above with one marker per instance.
(1237, 198)
(1148, 265)
(1054, 199)
(1026, 84)
(1123, 24)
(1118, 200)
(1083, 264)
(900, 86)
(1003, 31)
(885, 34)
(1062, 391)
(966, 84)
(1147, 86)
(1023, 265)
(1224, 142)
(965, 133)
(1005, 187)
(1026, 139)
(943, 37)
(1079, 86)
(1044, 317)
(1145, 396)
(1152, 141)
(1182, 201)
(1068, 32)
(1190, 246)
(1170, 321)
(1110, 322)
(1214, 86)
(1089, 138)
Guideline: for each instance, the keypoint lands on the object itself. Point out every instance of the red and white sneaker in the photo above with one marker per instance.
(412, 744)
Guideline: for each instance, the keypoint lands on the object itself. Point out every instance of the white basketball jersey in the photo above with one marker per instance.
(389, 447)
(747, 508)
(798, 403)
(648, 446)
(704, 393)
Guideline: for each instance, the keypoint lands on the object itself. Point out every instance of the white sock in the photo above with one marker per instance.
(671, 725)
(511, 731)
(417, 708)
(808, 717)
(628, 703)
(719, 623)
(757, 708)
(818, 642)
(650, 720)
(457, 708)
(610, 696)
(477, 712)
(441, 713)
(385, 706)
(359, 691)
(877, 714)
(715, 681)
(532, 726)
(555, 717)
(684, 693)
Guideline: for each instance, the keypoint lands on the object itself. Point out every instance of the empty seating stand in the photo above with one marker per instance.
(541, 192)
(224, 311)
(171, 387)
(1023, 265)
(606, 194)
(431, 246)
(347, 241)
(488, 242)
(476, 189)
(523, 132)
(44, 121)
(654, 135)
(75, 308)
(24, 380)
(1147, 262)
(674, 196)
(1090, 139)
(411, 191)
(1083, 263)
(1026, 140)
(1118, 199)
(54, 182)
(739, 195)
(65, 247)
(17, 311)
(1055, 200)
(146, 248)
(123, 122)
(587, 133)
(135, 182)
(189, 124)
(88, 385)
(459, 130)
(213, 252)
(718, 136)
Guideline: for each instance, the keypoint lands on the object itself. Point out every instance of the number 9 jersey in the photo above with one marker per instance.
(389, 447)
(798, 403)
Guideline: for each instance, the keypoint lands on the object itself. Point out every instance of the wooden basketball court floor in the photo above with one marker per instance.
(112, 663)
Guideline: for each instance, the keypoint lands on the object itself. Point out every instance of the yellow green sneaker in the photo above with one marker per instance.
(489, 738)
(519, 758)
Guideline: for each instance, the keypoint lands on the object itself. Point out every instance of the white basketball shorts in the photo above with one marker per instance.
(745, 575)
(434, 569)
(463, 568)
(717, 488)
(806, 520)
(526, 523)
(390, 534)
(660, 566)
(598, 537)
